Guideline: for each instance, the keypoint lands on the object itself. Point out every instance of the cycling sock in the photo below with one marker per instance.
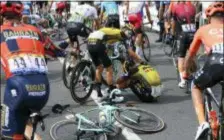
(98, 89)
(111, 87)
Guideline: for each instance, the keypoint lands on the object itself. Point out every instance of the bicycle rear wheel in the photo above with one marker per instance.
(147, 122)
(67, 130)
(208, 108)
(146, 49)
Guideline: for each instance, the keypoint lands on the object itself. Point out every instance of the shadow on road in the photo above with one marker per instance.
(167, 99)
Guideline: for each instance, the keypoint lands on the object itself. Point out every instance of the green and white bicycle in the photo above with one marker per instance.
(99, 123)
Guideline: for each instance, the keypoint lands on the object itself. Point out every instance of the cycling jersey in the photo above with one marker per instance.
(211, 73)
(184, 15)
(27, 86)
(135, 14)
(83, 14)
(16, 57)
(137, 7)
(110, 8)
(27, 8)
(212, 37)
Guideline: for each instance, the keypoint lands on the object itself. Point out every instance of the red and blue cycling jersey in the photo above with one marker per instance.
(22, 50)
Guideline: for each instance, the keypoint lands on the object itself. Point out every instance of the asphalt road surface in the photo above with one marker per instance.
(174, 106)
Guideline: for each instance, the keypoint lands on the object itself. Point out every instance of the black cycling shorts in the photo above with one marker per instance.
(113, 21)
(98, 54)
(211, 73)
(76, 29)
(185, 42)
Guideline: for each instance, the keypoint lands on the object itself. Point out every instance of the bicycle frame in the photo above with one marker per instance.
(211, 96)
(110, 110)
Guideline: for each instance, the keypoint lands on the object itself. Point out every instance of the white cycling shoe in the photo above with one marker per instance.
(182, 84)
(202, 131)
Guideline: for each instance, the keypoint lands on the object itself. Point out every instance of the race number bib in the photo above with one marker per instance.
(188, 27)
(27, 64)
(218, 48)
(77, 18)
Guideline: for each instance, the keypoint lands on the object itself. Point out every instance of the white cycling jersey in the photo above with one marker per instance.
(82, 13)
(136, 7)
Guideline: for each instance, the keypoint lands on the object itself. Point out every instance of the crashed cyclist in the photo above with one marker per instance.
(97, 42)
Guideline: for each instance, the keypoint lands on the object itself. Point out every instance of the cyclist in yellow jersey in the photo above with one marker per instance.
(97, 49)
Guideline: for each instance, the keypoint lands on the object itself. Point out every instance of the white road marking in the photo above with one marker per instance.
(126, 132)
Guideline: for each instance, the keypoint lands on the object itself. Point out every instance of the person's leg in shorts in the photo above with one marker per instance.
(208, 76)
(184, 44)
(22, 93)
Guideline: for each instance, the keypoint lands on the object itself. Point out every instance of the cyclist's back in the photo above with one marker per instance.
(81, 21)
(22, 57)
(112, 14)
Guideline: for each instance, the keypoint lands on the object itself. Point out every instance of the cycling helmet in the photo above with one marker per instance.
(214, 7)
(11, 7)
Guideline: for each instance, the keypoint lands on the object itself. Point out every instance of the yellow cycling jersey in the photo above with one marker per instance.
(112, 34)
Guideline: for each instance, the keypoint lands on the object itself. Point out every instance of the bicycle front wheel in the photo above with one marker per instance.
(139, 120)
(81, 81)
(67, 130)
(146, 48)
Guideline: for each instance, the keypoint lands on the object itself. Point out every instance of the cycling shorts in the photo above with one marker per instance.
(75, 29)
(136, 21)
(22, 94)
(211, 73)
(98, 53)
(185, 42)
(113, 21)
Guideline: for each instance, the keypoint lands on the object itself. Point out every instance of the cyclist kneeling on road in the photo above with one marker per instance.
(27, 86)
(211, 36)
(97, 42)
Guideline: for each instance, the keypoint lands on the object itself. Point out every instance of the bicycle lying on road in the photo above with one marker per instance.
(83, 126)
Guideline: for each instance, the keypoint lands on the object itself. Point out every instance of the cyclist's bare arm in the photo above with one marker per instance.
(195, 45)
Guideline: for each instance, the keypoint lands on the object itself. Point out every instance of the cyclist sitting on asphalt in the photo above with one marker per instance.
(22, 58)
(134, 12)
(183, 14)
(97, 42)
(112, 14)
(211, 36)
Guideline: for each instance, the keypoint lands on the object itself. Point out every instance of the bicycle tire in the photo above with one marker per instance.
(160, 125)
(56, 126)
(64, 71)
(209, 106)
(167, 48)
(148, 48)
(75, 77)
